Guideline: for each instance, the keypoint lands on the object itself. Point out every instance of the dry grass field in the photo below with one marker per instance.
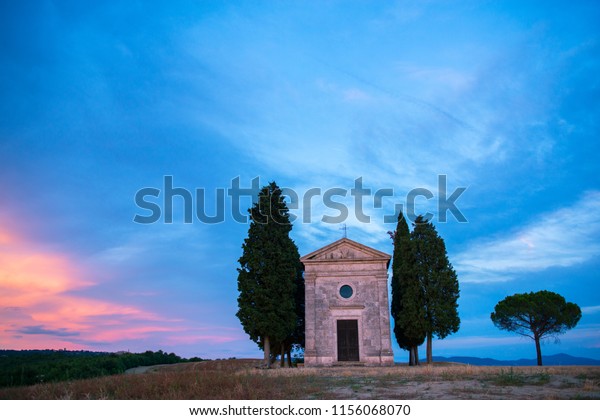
(239, 379)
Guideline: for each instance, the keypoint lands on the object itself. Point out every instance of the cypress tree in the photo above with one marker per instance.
(438, 281)
(296, 338)
(268, 274)
(407, 297)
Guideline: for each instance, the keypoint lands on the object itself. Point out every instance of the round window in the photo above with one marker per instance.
(346, 291)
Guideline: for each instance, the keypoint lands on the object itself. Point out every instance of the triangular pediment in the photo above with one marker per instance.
(345, 249)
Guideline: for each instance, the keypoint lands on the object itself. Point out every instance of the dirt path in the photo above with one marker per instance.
(233, 365)
(144, 369)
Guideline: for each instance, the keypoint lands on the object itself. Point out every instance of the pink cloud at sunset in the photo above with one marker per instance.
(41, 306)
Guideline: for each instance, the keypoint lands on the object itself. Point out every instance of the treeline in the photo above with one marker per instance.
(28, 367)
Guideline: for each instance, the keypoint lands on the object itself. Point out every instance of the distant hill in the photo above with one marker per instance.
(560, 359)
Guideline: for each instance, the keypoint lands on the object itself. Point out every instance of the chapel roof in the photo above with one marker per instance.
(343, 250)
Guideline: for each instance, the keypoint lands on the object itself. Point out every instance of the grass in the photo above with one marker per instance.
(164, 385)
(509, 378)
(238, 379)
(542, 378)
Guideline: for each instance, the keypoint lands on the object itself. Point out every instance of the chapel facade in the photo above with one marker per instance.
(347, 318)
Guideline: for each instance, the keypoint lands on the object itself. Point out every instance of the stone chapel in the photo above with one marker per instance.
(347, 311)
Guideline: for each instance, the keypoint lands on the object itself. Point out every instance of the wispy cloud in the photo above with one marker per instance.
(42, 301)
(562, 238)
(588, 310)
(479, 342)
(40, 329)
(51, 300)
(437, 77)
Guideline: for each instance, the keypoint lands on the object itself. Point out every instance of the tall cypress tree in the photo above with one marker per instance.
(438, 281)
(407, 295)
(268, 273)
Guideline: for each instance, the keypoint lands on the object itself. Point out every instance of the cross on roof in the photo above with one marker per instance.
(345, 229)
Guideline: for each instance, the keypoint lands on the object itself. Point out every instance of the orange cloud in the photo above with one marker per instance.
(5, 238)
(26, 277)
(40, 311)
(46, 301)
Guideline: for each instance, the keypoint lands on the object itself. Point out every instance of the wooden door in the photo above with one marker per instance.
(347, 340)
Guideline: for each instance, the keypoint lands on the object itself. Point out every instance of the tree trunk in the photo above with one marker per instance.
(411, 356)
(289, 357)
(429, 350)
(538, 350)
(416, 351)
(282, 362)
(267, 354)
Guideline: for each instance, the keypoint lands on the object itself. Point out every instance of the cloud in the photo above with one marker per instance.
(53, 300)
(5, 238)
(42, 300)
(39, 329)
(563, 238)
(588, 310)
(437, 77)
(479, 342)
(356, 95)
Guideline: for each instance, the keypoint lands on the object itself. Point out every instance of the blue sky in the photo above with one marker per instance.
(102, 99)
